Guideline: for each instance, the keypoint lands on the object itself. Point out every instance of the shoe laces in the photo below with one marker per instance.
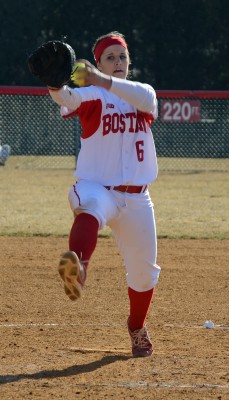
(140, 338)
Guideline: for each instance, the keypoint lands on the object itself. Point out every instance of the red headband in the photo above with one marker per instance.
(106, 42)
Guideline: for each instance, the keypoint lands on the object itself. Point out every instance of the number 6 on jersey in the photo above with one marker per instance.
(139, 149)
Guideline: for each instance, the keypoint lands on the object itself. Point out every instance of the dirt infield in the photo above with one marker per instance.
(52, 348)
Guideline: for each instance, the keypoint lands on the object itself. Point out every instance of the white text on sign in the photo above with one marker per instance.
(180, 111)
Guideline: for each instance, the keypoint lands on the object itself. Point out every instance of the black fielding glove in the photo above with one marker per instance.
(52, 63)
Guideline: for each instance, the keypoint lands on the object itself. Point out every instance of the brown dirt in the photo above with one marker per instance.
(52, 348)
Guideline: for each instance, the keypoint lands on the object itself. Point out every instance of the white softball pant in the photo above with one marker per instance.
(131, 219)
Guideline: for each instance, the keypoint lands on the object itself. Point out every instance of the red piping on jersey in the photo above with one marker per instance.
(74, 186)
(89, 114)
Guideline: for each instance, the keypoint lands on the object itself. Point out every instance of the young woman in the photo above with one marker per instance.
(116, 164)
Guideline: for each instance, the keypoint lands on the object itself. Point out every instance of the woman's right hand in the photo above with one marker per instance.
(86, 74)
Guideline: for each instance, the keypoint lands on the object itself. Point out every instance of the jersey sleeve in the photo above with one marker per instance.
(139, 95)
(85, 102)
(77, 101)
(66, 97)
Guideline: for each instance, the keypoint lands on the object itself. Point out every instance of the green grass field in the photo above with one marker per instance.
(187, 205)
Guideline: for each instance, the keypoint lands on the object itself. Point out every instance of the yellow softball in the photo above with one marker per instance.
(78, 74)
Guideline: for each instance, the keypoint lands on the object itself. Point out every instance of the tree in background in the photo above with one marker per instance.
(173, 44)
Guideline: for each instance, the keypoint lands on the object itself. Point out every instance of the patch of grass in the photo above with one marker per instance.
(35, 203)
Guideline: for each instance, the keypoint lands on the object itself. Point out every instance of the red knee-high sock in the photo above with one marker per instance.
(139, 306)
(83, 236)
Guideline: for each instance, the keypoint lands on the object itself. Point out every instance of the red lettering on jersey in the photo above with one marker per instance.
(131, 116)
(115, 122)
(122, 124)
(140, 123)
(106, 124)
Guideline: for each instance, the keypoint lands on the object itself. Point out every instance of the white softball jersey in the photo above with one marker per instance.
(117, 148)
(117, 145)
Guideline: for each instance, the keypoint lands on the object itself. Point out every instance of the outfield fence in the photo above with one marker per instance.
(191, 132)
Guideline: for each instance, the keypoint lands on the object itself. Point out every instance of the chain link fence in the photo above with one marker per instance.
(191, 132)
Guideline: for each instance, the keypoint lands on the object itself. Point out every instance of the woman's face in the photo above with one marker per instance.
(115, 61)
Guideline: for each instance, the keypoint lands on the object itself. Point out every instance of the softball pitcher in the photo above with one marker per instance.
(116, 164)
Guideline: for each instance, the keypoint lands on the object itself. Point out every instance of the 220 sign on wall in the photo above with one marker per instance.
(180, 111)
